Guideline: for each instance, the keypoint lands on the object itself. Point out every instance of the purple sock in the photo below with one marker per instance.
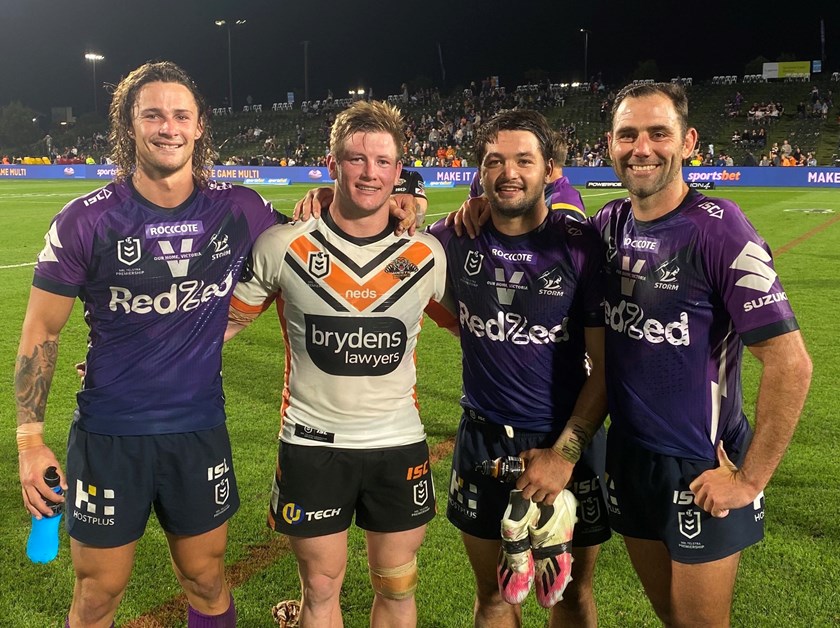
(227, 619)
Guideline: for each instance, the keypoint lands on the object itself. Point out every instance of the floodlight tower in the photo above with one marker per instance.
(93, 58)
(227, 25)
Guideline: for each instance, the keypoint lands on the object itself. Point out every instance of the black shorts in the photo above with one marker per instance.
(649, 498)
(113, 482)
(317, 490)
(477, 503)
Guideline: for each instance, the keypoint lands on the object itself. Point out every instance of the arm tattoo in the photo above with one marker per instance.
(572, 447)
(33, 377)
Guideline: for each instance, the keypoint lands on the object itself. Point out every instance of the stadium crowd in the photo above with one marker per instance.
(441, 127)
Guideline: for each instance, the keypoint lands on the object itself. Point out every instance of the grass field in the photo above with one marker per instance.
(791, 579)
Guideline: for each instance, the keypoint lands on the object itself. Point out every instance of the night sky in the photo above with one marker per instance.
(381, 44)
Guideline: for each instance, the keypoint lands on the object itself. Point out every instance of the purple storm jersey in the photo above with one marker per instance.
(522, 303)
(155, 284)
(559, 196)
(684, 293)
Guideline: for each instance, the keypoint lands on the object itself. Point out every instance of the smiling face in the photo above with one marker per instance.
(165, 126)
(514, 173)
(365, 170)
(648, 145)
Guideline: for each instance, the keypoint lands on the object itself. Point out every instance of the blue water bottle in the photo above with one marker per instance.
(42, 545)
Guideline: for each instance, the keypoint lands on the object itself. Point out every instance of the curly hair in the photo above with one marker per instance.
(121, 115)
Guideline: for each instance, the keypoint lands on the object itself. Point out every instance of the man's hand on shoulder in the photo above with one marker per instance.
(312, 203)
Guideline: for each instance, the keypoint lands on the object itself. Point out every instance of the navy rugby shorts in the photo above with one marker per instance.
(115, 481)
(477, 503)
(649, 499)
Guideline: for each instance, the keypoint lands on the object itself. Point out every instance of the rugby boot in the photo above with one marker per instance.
(551, 545)
(516, 565)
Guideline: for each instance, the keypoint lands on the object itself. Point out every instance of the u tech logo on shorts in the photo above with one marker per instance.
(295, 515)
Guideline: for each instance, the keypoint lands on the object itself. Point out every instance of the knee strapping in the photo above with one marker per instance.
(395, 583)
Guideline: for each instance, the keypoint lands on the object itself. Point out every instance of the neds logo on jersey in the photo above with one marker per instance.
(355, 346)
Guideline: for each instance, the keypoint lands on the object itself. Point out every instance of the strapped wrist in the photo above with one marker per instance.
(29, 436)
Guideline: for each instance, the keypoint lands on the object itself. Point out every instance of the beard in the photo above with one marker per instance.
(509, 208)
(645, 189)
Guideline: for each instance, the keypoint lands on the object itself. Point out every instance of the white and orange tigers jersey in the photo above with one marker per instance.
(351, 310)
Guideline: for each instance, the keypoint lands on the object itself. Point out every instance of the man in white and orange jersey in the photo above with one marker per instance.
(350, 296)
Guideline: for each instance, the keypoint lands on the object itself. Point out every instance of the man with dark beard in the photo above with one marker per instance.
(527, 301)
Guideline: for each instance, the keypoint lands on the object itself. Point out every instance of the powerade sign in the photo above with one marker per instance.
(450, 177)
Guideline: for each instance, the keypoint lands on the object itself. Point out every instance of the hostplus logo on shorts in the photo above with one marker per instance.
(94, 505)
(463, 497)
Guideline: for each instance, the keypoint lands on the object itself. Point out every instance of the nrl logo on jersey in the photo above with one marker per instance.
(472, 265)
(401, 268)
(319, 264)
(612, 249)
(128, 250)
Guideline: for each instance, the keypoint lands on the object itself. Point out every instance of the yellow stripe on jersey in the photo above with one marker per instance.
(568, 206)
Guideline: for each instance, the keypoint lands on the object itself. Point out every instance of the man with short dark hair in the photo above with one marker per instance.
(689, 283)
(559, 193)
(528, 305)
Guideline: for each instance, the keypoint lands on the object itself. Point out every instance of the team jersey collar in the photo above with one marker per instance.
(689, 200)
(522, 236)
(169, 211)
(328, 220)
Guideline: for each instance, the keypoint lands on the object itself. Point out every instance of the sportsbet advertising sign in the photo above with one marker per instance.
(451, 177)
